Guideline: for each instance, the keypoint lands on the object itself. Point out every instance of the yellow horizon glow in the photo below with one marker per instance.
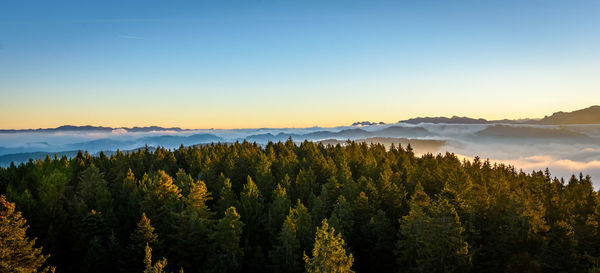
(259, 119)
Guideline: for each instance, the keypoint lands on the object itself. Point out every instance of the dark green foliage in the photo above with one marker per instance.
(431, 237)
(285, 255)
(329, 253)
(242, 207)
(227, 254)
(18, 253)
(157, 267)
(278, 208)
(144, 235)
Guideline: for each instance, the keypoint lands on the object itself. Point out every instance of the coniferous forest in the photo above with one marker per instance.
(286, 207)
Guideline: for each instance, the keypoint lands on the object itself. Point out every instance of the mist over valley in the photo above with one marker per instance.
(564, 148)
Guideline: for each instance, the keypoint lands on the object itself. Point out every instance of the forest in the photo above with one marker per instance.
(292, 207)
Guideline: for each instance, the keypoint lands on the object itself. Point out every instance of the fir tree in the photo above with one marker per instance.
(18, 253)
(158, 267)
(329, 253)
(227, 253)
(286, 255)
(143, 235)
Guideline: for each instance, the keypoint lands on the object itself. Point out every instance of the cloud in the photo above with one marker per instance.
(558, 167)
(577, 165)
(119, 131)
(563, 159)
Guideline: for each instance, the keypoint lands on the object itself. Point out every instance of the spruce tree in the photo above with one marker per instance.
(18, 253)
(278, 208)
(227, 197)
(158, 267)
(286, 254)
(143, 235)
(431, 238)
(329, 253)
(227, 253)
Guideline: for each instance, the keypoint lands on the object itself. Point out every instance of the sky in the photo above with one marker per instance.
(253, 64)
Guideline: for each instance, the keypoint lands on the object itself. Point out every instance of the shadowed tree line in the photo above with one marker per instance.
(284, 207)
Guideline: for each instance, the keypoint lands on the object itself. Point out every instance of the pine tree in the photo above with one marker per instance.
(278, 208)
(329, 254)
(93, 191)
(381, 237)
(559, 254)
(18, 253)
(286, 254)
(162, 202)
(251, 207)
(227, 197)
(188, 249)
(158, 267)
(127, 203)
(264, 177)
(227, 253)
(196, 200)
(251, 210)
(431, 238)
(304, 228)
(183, 181)
(143, 235)
(342, 217)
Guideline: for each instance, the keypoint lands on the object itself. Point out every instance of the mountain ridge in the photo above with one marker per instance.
(589, 115)
(92, 128)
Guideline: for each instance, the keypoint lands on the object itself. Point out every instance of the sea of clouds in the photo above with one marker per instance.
(563, 158)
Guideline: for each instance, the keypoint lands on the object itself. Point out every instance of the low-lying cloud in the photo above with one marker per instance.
(573, 150)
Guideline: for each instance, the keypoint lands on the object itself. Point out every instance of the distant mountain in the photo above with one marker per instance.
(356, 133)
(367, 123)
(452, 120)
(89, 128)
(345, 134)
(397, 131)
(590, 115)
(175, 141)
(166, 141)
(101, 144)
(264, 138)
(151, 128)
(5, 160)
(64, 128)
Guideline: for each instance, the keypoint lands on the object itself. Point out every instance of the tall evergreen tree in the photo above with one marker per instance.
(286, 255)
(278, 208)
(227, 253)
(158, 267)
(227, 197)
(143, 235)
(191, 238)
(329, 253)
(431, 238)
(18, 253)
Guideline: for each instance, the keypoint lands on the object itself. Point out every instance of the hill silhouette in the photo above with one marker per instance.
(590, 115)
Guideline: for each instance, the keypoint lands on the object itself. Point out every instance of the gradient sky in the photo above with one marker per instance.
(240, 64)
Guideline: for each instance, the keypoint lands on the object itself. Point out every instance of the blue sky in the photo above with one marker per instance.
(231, 64)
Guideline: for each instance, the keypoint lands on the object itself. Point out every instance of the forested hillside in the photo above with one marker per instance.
(294, 208)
